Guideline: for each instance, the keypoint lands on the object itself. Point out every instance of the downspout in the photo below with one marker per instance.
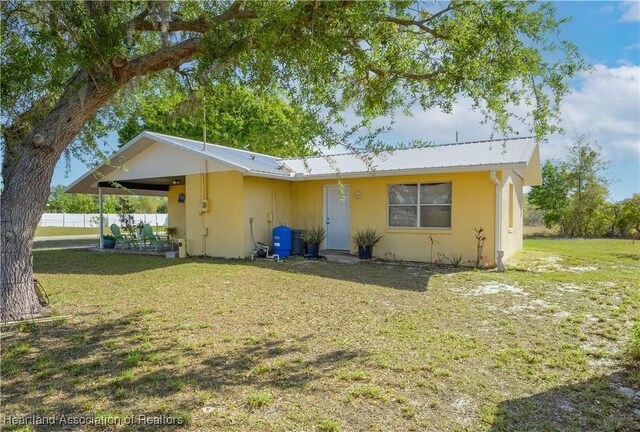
(101, 228)
(498, 227)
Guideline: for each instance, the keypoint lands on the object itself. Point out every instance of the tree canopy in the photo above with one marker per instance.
(368, 57)
(573, 194)
(73, 69)
(230, 115)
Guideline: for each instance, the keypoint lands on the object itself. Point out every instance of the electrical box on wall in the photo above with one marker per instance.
(204, 205)
(269, 217)
(205, 231)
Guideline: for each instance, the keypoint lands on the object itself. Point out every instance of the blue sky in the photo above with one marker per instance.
(604, 104)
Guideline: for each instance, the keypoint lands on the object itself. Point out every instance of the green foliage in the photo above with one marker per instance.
(314, 235)
(259, 399)
(552, 195)
(235, 117)
(367, 237)
(455, 260)
(588, 189)
(633, 346)
(272, 66)
(61, 202)
(630, 216)
(329, 425)
(532, 215)
(573, 194)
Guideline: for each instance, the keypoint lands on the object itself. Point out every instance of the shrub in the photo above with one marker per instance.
(314, 235)
(367, 237)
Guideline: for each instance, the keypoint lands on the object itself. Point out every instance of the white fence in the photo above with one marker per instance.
(92, 219)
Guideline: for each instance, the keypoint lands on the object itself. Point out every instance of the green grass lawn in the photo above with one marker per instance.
(52, 231)
(300, 345)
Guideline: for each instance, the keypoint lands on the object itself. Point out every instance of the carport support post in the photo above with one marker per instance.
(101, 221)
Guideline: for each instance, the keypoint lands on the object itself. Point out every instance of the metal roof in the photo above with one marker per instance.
(508, 153)
(493, 153)
(244, 160)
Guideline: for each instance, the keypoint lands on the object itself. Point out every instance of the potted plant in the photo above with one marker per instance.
(108, 241)
(170, 231)
(313, 237)
(366, 239)
(139, 228)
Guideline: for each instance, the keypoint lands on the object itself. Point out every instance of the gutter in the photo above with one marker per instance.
(498, 227)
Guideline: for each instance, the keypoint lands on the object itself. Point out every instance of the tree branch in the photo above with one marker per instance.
(402, 74)
(97, 7)
(356, 51)
(420, 24)
(200, 25)
(165, 58)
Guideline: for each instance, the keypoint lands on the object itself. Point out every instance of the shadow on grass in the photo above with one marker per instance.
(78, 261)
(65, 244)
(598, 404)
(89, 366)
(403, 276)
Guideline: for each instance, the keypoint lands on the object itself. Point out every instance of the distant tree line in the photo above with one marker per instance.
(573, 197)
(62, 202)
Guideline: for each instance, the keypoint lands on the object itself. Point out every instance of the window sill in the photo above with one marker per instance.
(401, 230)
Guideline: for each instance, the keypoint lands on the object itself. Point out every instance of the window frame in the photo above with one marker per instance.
(419, 204)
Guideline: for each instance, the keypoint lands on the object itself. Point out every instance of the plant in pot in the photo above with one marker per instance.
(171, 232)
(108, 241)
(139, 228)
(313, 237)
(366, 239)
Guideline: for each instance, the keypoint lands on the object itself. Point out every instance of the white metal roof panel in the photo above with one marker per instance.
(514, 151)
(494, 154)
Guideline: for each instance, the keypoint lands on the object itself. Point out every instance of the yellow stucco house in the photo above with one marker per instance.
(444, 191)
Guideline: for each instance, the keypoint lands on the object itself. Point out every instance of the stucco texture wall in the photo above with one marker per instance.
(268, 202)
(177, 212)
(234, 199)
(224, 218)
(511, 213)
(473, 205)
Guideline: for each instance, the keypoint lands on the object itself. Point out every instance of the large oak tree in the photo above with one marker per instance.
(69, 68)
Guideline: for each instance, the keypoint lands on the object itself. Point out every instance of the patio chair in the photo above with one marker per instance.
(121, 239)
(155, 242)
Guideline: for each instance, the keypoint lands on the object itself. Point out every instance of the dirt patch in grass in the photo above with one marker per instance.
(234, 345)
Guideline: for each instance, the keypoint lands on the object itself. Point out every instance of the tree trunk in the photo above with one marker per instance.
(33, 146)
(29, 161)
(21, 206)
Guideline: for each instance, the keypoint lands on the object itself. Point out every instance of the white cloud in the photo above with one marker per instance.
(606, 106)
(630, 11)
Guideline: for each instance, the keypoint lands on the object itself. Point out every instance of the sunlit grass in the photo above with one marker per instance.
(322, 346)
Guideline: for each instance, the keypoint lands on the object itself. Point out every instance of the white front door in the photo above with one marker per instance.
(336, 213)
